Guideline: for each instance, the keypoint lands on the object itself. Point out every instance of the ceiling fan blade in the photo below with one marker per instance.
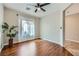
(44, 4)
(38, 4)
(35, 10)
(43, 9)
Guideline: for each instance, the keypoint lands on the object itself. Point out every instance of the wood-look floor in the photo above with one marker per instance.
(72, 47)
(35, 48)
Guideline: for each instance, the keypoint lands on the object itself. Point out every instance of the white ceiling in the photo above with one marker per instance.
(49, 8)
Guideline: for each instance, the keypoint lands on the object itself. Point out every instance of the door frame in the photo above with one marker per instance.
(64, 23)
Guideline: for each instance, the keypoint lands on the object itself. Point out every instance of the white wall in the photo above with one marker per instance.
(72, 27)
(1, 21)
(12, 19)
(50, 27)
(37, 28)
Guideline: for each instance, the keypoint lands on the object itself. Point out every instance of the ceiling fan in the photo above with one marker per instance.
(39, 6)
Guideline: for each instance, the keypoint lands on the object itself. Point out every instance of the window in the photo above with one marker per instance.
(27, 29)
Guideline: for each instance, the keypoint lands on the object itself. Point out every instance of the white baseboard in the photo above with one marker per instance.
(54, 42)
(0, 50)
(17, 41)
(73, 40)
(13, 42)
(41, 38)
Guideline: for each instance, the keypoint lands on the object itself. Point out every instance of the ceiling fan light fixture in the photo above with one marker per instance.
(38, 9)
(27, 8)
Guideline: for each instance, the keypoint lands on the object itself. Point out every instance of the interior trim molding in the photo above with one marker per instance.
(21, 41)
(36, 39)
(53, 42)
(0, 49)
